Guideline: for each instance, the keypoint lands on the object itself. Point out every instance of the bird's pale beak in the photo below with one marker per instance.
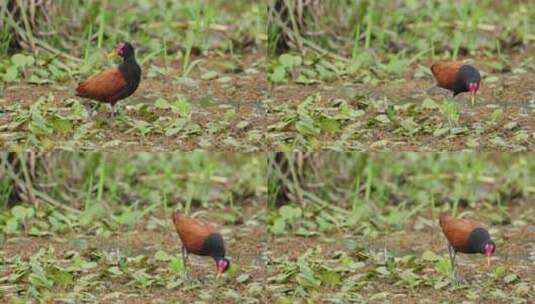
(112, 55)
(488, 261)
(218, 276)
(473, 98)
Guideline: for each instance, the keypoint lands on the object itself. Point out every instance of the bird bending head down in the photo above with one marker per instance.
(488, 250)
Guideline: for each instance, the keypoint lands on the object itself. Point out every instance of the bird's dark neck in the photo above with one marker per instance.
(130, 59)
(131, 70)
(213, 246)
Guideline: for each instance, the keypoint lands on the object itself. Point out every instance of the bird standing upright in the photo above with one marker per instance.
(457, 77)
(201, 238)
(466, 236)
(112, 85)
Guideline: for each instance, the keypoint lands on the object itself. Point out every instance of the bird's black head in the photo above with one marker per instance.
(125, 50)
(469, 79)
(222, 265)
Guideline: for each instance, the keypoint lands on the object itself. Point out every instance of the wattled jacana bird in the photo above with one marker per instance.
(112, 85)
(457, 77)
(466, 236)
(201, 238)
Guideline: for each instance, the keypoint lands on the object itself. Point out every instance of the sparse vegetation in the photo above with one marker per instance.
(95, 227)
(349, 76)
(363, 227)
(202, 82)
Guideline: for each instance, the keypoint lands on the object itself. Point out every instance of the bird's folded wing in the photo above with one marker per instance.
(103, 85)
(445, 73)
(458, 231)
(193, 232)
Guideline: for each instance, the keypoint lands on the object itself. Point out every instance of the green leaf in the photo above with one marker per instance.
(142, 277)
(115, 271)
(306, 126)
(290, 213)
(289, 61)
(497, 115)
(278, 75)
(510, 278)
(63, 278)
(162, 256)
(409, 125)
(443, 266)
(11, 226)
(307, 280)
(242, 124)
(243, 278)
(278, 227)
(330, 278)
(382, 118)
(209, 75)
(441, 284)
(229, 115)
(499, 271)
(22, 61)
(20, 212)
(63, 126)
(409, 277)
(177, 265)
(330, 125)
(161, 103)
(429, 255)
(88, 265)
(11, 74)
(92, 212)
(429, 103)
(440, 131)
(128, 217)
(39, 280)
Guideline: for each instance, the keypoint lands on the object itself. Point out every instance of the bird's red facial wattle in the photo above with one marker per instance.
(222, 265)
(473, 87)
(489, 249)
(120, 49)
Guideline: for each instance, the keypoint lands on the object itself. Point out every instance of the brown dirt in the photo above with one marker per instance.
(244, 93)
(245, 247)
(513, 94)
(514, 248)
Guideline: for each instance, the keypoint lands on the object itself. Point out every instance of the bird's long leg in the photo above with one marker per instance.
(92, 109)
(113, 111)
(453, 254)
(185, 260)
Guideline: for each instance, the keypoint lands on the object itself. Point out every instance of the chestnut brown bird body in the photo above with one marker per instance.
(201, 238)
(112, 85)
(466, 236)
(457, 77)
